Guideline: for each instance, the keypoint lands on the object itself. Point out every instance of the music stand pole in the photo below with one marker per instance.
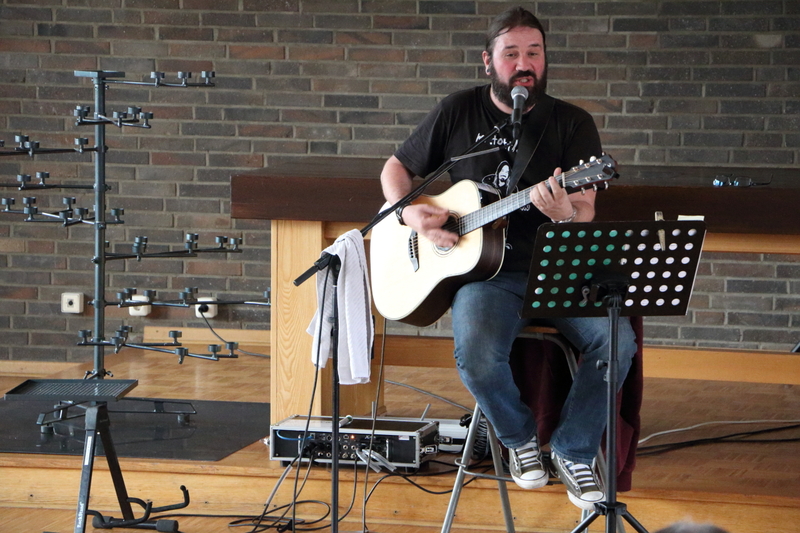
(613, 303)
(611, 508)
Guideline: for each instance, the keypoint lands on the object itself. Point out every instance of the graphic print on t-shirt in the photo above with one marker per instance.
(499, 179)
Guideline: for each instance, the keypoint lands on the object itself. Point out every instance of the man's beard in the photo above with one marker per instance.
(503, 90)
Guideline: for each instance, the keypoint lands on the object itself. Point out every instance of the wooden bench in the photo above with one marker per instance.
(676, 362)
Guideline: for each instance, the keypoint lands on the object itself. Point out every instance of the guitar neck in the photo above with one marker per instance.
(490, 213)
(505, 206)
(577, 178)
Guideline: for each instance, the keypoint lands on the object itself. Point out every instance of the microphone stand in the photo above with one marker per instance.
(324, 259)
(333, 262)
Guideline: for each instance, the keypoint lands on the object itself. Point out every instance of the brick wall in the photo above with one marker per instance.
(700, 83)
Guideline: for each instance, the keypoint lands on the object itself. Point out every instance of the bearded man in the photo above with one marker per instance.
(486, 314)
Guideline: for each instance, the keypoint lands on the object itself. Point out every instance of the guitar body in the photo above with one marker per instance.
(420, 292)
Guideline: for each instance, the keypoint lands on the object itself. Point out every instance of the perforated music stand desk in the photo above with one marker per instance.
(612, 269)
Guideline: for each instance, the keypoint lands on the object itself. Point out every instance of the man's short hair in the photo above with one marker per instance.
(508, 20)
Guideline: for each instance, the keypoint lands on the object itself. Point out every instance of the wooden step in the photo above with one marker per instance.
(740, 487)
(241, 484)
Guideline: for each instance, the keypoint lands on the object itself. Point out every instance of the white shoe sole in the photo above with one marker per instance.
(583, 504)
(532, 483)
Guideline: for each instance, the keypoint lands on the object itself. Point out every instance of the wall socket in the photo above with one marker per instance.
(140, 310)
(212, 308)
(72, 302)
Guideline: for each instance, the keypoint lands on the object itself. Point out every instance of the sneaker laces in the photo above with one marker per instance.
(581, 473)
(528, 454)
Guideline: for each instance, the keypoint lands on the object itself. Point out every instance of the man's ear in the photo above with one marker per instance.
(487, 59)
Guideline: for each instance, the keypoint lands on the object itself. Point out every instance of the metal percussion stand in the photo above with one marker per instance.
(93, 396)
(613, 269)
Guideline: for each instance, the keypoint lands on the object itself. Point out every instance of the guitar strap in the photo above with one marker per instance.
(531, 137)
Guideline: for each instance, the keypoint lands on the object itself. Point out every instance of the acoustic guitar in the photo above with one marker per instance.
(414, 281)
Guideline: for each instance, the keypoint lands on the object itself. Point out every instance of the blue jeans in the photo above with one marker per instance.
(485, 323)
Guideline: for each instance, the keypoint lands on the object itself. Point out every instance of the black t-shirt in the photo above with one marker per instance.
(461, 118)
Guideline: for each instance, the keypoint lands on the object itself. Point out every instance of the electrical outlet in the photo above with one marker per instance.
(212, 308)
(140, 310)
(72, 302)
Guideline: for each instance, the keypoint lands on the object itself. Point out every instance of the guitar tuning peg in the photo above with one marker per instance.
(594, 186)
(580, 162)
(593, 158)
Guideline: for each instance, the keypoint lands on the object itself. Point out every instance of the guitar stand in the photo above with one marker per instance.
(97, 425)
(159, 524)
(96, 394)
(611, 268)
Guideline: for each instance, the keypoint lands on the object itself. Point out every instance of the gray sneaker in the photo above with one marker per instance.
(526, 467)
(583, 488)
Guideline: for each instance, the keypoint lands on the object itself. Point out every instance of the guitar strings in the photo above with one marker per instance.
(500, 208)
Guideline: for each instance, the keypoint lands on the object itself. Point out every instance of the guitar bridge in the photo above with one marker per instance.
(413, 250)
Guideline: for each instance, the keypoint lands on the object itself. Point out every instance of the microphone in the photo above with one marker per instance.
(519, 94)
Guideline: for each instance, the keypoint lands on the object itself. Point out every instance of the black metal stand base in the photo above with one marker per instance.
(611, 290)
(97, 425)
(612, 512)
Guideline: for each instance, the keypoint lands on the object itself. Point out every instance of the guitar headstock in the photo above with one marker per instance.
(594, 174)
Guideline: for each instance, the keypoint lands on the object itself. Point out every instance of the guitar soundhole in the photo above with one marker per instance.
(450, 225)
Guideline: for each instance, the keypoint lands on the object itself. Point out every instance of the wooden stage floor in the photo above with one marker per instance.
(743, 487)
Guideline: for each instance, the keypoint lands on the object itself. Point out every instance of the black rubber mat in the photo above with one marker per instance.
(140, 427)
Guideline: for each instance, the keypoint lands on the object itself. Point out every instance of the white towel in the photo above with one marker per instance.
(356, 332)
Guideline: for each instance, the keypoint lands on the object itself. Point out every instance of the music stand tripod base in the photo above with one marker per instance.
(611, 269)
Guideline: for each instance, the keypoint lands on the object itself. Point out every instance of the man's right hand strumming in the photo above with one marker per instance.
(425, 219)
(428, 220)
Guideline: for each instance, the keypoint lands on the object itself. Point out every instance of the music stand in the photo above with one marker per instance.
(613, 268)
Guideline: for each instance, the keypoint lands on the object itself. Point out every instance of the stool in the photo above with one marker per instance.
(533, 332)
